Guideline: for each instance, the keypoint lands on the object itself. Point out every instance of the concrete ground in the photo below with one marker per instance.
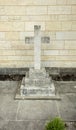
(33, 114)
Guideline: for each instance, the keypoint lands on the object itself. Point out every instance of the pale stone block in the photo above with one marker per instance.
(60, 36)
(24, 53)
(61, 2)
(63, 52)
(50, 34)
(27, 2)
(65, 35)
(11, 26)
(66, 25)
(16, 45)
(74, 25)
(59, 9)
(74, 17)
(70, 45)
(43, 2)
(17, 58)
(12, 35)
(5, 26)
(48, 58)
(6, 53)
(14, 52)
(53, 63)
(57, 45)
(15, 64)
(3, 18)
(67, 52)
(2, 10)
(2, 35)
(20, 45)
(14, 18)
(71, 1)
(70, 64)
(17, 52)
(18, 26)
(66, 58)
(53, 45)
(14, 2)
(29, 26)
(8, 2)
(53, 26)
(50, 52)
(36, 10)
(59, 64)
(22, 35)
(53, 17)
(73, 9)
(29, 46)
(35, 18)
(12, 10)
(61, 58)
(3, 42)
(5, 45)
(26, 34)
(72, 52)
(65, 17)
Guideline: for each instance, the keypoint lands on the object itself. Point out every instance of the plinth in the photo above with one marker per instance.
(37, 85)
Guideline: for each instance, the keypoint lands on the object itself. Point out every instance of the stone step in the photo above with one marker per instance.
(36, 82)
(45, 80)
(37, 91)
(38, 74)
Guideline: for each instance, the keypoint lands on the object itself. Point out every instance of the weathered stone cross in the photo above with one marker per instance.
(36, 85)
(37, 39)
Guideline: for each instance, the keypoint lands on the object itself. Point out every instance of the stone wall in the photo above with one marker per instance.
(57, 19)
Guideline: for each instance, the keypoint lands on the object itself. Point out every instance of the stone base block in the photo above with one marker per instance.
(37, 85)
(19, 97)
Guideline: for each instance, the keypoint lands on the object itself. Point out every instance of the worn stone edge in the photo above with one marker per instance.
(19, 97)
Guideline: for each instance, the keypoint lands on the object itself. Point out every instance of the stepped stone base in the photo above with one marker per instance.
(37, 85)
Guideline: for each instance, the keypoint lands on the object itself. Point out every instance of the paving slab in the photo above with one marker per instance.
(8, 107)
(3, 124)
(8, 87)
(36, 110)
(67, 107)
(26, 125)
(65, 87)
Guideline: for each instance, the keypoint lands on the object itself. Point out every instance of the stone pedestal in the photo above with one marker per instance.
(37, 85)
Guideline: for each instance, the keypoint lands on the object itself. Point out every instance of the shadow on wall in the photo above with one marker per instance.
(64, 77)
(11, 77)
(60, 77)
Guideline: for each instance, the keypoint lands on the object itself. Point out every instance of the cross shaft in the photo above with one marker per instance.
(37, 40)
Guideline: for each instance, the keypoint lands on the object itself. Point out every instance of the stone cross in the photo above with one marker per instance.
(37, 47)
(37, 40)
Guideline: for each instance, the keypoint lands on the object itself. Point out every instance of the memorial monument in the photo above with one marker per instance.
(38, 84)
